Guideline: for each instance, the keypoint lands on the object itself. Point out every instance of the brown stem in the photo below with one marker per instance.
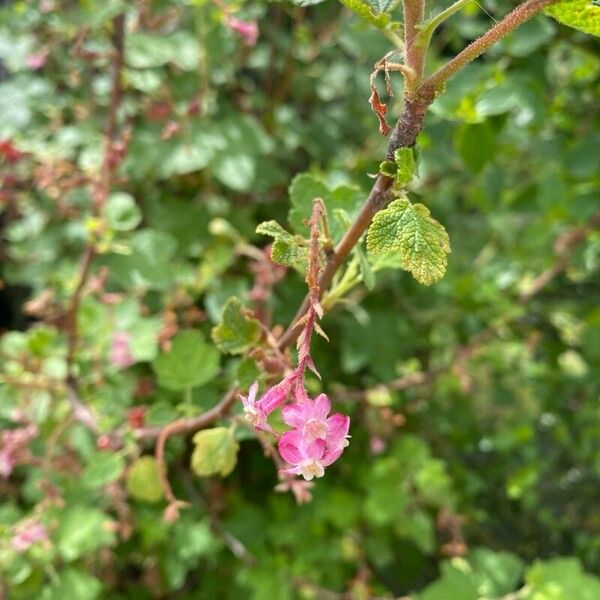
(414, 55)
(407, 129)
(405, 133)
(186, 425)
(509, 23)
(100, 193)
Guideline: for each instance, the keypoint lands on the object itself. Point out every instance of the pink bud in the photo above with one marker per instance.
(248, 30)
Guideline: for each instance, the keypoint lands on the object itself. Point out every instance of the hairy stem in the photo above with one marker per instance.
(405, 132)
(508, 24)
(414, 54)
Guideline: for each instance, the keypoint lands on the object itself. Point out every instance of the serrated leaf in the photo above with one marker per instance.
(143, 481)
(236, 332)
(190, 362)
(579, 14)
(410, 230)
(215, 452)
(286, 249)
(405, 160)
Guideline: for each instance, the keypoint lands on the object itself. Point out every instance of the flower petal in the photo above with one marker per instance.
(252, 392)
(294, 415)
(331, 456)
(290, 444)
(338, 426)
(321, 407)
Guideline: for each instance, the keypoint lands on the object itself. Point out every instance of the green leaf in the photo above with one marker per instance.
(215, 452)
(389, 168)
(305, 188)
(74, 583)
(235, 169)
(580, 14)
(190, 362)
(560, 579)
(405, 160)
(410, 230)
(149, 265)
(499, 572)
(102, 468)
(121, 212)
(143, 481)
(366, 271)
(236, 332)
(372, 11)
(286, 249)
(454, 584)
(82, 530)
(476, 145)
(144, 50)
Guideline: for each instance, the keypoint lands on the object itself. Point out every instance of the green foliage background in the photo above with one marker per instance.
(481, 483)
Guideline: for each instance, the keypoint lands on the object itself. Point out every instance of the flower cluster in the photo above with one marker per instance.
(316, 439)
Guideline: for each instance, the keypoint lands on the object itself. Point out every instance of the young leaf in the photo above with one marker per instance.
(365, 268)
(286, 249)
(215, 452)
(580, 14)
(143, 482)
(190, 362)
(410, 230)
(406, 165)
(236, 332)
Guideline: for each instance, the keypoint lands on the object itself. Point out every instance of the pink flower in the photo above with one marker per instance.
(27, 535)
(310, 418)
(120, 351)
(248, 30)
(253, 413)
(256, 412)
(308, 460)
(36, 61)
(13, 448)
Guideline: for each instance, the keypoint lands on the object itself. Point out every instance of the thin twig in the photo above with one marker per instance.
(404, 134)
(185, 425)
(509, 23)
(100, 194)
